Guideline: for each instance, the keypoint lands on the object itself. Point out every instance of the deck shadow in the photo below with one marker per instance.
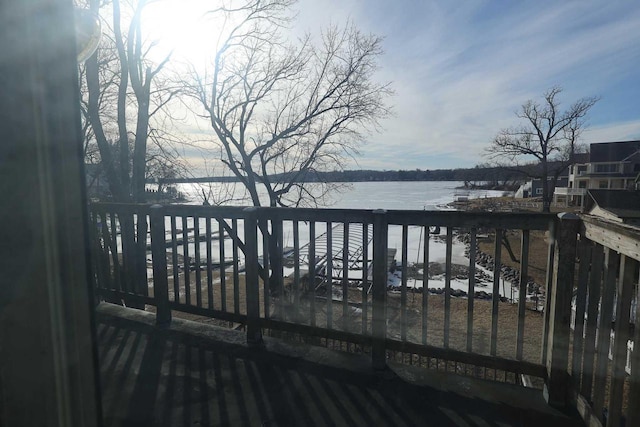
(152, 376)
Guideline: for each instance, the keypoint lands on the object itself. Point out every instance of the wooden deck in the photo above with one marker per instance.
(195, 374)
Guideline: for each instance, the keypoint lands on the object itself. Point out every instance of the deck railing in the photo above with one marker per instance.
(606, 319)
(326, 274)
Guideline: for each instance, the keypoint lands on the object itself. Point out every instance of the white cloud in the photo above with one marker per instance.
(613, 132)
(458, 81)
(461, 69)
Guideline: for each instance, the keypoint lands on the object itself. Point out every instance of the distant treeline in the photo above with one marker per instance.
(471, 176)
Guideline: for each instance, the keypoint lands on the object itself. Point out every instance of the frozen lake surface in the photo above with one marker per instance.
(366, 195)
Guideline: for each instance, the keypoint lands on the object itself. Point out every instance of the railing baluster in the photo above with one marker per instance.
(159, 257)
(495, 298)
(185, 255)
(345, 276)
(265, 267)
(236, 271)
(141, 253)
(174, 260)
(403, 285)
(196, 239)
(633, 410)
(311, 274)
(95, 250)
(593, 307)
(447, 286)
(329, 275)
(209, 261)
(549, 291)
(379, 317)
(612, 260)
(425, 284)
(124, 260)
(120, 281)
(628, 270)
(522, 292)
(142, 278)
(277, 265)
(365, 277)
(113, 280)
(471, 291)
(584, 255)
(223, 273)
(296, 266)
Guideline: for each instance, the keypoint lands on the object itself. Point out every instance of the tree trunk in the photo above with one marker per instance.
(93, 112)
(140, 151)
(546, 205)
(121, 106)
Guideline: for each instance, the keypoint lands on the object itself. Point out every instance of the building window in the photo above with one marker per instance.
(606, 168)
(582, 184)
(538, 191)
(603, 184)
(582, 169)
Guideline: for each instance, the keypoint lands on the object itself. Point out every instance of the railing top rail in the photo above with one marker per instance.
(504, 220)
(622, 238)
(119, 208)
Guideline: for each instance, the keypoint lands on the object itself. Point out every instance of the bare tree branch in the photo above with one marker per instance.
(548, 135)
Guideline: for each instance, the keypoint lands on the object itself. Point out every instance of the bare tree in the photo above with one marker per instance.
(281, 111)
(548, 136)
(122, 93)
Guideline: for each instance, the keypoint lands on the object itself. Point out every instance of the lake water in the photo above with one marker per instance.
(363, 195)
(405, 195)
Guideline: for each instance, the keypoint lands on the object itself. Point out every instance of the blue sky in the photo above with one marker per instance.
(461, 69)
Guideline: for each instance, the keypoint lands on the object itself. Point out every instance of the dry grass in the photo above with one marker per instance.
(235, 302)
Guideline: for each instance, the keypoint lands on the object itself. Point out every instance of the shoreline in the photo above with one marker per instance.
(509, 287)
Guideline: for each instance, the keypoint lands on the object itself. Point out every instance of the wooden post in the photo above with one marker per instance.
(379, 290)
(159, 256)
(254, 333)
(559, 313)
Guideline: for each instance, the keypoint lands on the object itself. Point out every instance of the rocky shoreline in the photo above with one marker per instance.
(483, 279)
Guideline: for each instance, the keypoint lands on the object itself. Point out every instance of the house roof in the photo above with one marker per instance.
(622, 203)
(581, 157)
(612, 151)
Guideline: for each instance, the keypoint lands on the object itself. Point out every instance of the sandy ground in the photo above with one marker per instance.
(354, 319)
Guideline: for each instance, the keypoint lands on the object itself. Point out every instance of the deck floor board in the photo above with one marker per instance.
(194, 374)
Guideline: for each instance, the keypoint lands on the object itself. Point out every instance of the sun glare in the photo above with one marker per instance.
(182, 27)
